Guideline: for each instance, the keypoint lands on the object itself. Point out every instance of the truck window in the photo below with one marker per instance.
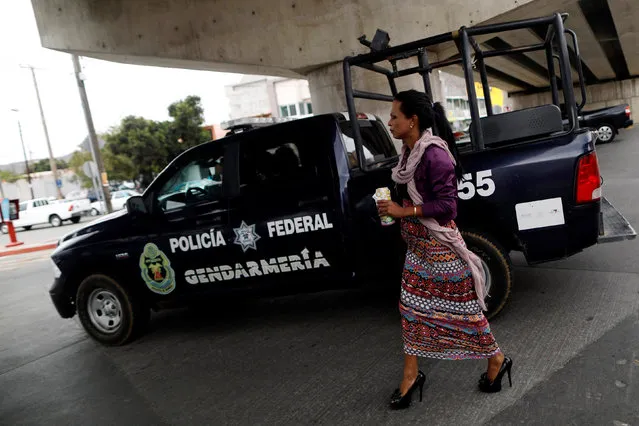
(23, 206)
(198, 181)
(377, 143)
(278, 165)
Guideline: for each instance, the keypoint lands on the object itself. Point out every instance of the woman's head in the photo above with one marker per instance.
(413, 113)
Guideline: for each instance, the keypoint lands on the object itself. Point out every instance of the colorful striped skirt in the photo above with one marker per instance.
(441, 317)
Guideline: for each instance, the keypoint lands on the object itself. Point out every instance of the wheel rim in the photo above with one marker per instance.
(55, 221)
(94, 212)
(488, 277)
(605, 133)
(105, 311)
(5, 229)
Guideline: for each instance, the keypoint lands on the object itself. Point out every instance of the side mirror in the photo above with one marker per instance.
(135, 206)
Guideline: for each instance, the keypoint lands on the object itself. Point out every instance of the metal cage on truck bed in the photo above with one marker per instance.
(494, 129)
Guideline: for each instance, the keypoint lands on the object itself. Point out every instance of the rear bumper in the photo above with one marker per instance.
(613, 226)
(628, 123)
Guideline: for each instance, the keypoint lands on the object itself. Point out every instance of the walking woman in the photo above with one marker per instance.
(443, 289)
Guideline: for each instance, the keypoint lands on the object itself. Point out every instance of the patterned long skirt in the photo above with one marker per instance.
(441, 317)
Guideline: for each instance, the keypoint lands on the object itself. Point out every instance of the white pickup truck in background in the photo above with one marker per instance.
(41, 210)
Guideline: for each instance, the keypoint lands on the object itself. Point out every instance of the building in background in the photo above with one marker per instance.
(453, 89)
(258, 96)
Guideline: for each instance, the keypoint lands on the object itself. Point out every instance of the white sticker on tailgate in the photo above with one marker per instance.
(540, 214)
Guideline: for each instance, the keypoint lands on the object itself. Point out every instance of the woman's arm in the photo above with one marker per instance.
(437, 173)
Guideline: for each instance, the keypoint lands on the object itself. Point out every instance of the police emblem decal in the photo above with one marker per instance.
(246, 237)
(156, 270)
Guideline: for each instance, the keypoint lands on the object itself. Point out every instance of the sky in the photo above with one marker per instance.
(114, 91)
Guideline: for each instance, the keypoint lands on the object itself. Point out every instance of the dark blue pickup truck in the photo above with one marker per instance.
(288, 207)
(607, 121)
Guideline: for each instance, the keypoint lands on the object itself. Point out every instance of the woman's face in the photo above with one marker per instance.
(400, 125)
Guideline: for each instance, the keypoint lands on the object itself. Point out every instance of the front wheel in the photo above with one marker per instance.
(497, 268)
(94, 212)
(4, 228)
(606, 133)
(110, 313)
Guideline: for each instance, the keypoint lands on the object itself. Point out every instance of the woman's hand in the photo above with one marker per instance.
(390, 208)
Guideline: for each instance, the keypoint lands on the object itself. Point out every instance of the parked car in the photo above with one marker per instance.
(39, 211)
(118, 201)
(607, 121)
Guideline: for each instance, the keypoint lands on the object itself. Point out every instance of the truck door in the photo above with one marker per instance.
(179, 249)
(286, 219)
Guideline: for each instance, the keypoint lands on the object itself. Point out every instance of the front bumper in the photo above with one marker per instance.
(61, 299)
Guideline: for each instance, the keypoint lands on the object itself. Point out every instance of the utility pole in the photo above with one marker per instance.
(95, 147)
(52, 162)
(24, 152)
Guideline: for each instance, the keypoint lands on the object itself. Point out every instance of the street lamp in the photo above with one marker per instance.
(24, 152)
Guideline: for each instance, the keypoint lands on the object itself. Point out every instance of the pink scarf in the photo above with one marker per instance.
(451, 238)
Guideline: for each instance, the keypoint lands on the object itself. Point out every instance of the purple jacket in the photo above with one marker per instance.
(436, 182)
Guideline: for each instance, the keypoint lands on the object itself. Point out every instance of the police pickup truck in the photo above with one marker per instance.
(288, 208)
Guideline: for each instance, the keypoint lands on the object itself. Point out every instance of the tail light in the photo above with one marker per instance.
(71, 208)
(588, 179)
(628, 112)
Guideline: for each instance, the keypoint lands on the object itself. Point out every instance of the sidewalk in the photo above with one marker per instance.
(27, 248)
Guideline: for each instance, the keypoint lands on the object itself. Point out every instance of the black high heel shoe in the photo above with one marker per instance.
(487, 386)
(399, 401)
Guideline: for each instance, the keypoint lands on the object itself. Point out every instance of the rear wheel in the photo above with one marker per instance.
(606, 133)
(55, 220)
(4, 228)
(497, 269)
(110, 313)
(94, 212)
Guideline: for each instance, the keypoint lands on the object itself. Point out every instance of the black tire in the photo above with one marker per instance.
(27, 228)
(55, 220)
(500, 266)
(76, 219)
(132, 313)
(94, 212)
(606, 133)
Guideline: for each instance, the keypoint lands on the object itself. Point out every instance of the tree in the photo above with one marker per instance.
(44, 165)
(77, 161)
(139, 145)
(7, 176)
(185, 131)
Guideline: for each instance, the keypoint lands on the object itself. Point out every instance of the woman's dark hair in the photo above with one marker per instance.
(429, 115)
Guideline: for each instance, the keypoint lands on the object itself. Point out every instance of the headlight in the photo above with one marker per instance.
(56, 271)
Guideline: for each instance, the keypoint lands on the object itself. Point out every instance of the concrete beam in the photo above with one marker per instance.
(626, 16)
(274, 37)
(591, 52)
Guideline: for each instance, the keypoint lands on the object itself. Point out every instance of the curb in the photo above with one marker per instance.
(28, 249)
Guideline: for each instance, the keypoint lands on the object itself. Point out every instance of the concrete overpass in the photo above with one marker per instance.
(310, 37)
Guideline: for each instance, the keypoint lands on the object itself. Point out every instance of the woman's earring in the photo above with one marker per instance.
(411, 126)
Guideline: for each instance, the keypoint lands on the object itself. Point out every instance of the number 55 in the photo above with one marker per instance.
(485, 183)
(485, 186)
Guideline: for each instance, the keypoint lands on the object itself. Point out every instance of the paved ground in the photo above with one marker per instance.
(572, 328)
(44, 233)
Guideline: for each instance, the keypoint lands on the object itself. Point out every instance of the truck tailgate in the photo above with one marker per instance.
(613, 226)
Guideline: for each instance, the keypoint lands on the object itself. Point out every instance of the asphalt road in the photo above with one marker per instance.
(571, 327)
(45, 232)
